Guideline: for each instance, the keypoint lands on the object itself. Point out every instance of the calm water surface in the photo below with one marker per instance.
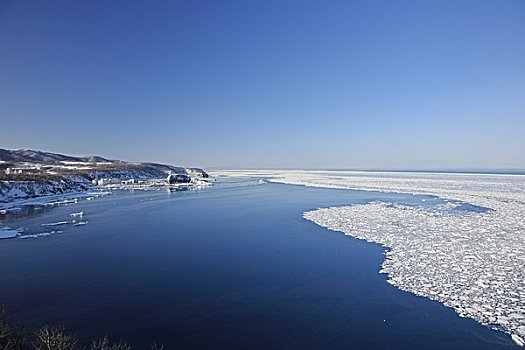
(232, 267)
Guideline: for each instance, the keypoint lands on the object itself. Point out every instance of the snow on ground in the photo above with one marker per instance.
(16, 190)
(473, 262)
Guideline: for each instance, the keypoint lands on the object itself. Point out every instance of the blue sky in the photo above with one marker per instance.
(300, 84)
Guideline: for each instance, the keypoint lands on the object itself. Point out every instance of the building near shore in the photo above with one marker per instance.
(107, 181)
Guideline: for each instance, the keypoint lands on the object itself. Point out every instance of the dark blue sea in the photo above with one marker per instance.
(230, 267)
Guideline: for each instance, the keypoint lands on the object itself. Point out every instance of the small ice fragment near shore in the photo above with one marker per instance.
(56, 223)
(79, 214)
(63, 202)
(99, 193)
(42, 234)
(36, 235)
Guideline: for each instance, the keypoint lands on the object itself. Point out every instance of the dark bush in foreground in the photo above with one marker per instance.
(11, 337)
(54, 339)
(51, 338)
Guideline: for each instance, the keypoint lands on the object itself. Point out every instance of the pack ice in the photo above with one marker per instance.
(473, 262)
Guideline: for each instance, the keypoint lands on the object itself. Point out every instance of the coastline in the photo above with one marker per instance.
(17, 206)
(89, 191)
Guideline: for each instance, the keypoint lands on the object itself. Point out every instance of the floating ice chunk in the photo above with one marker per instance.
(42, 234)
(63, 202)
(80, 223)
(36, 235)
(56, 223)
(517, 339)
(99, 193)
(8, 233)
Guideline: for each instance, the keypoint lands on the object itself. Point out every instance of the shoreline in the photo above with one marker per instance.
(94, 191)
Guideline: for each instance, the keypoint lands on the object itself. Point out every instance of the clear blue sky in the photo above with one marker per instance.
(368, 84)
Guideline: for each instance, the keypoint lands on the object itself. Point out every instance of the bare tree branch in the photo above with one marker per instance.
(54, 339)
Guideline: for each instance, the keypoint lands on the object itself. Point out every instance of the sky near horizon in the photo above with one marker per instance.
(280, 84)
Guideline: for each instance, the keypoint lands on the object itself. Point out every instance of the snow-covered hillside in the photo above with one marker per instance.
(12, 190)
(30, 174)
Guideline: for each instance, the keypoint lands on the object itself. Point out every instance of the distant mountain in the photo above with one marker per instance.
(94, 167)
(31, 156)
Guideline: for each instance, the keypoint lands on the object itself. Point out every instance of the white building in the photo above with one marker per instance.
(107, 181)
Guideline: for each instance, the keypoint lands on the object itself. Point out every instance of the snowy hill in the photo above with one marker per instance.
(23, 155)
(29, 173)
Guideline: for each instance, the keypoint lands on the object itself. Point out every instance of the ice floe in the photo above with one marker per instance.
(41, 234)
(470, 260)
(518, 340)
(6, 233)
(59, 223)
(63, 202)
(80, 223)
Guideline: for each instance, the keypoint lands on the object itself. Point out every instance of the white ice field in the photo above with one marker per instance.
(471, 261)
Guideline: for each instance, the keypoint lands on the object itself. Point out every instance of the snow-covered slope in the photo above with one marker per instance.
(11, 190)
(29, 173)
